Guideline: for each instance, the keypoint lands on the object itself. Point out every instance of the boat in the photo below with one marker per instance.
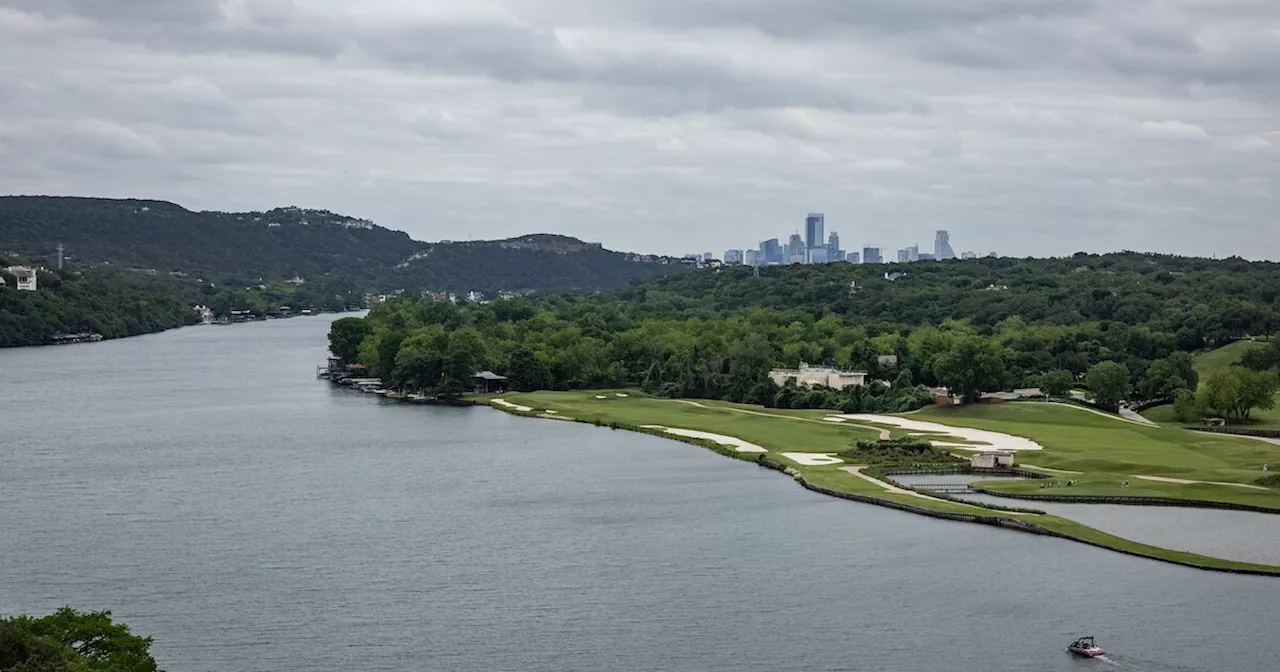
(1086, 647)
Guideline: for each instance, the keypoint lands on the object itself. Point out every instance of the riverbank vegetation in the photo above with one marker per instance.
(117, 303)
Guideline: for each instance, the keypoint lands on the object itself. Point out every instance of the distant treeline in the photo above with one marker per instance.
(1121, 322)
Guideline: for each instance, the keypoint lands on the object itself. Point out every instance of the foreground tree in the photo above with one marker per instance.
(71, 641)
(1109, 382)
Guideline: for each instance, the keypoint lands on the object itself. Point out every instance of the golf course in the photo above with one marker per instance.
(1100, 454)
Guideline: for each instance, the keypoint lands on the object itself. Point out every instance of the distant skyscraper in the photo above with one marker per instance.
(834, 253)
(942, 246)
(908, 254)
(796, 250)
(969, 255)
(903, 256)
(707, 256)
(818, 255)
(924, 256)
(853, 258)
(751, 258)
(813, 230)
(733, 256)
(871, 255)
(771, 252)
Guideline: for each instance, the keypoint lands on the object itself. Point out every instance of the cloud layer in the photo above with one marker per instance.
(1026, 126)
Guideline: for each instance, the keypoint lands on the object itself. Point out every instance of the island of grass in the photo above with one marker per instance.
(847, 456)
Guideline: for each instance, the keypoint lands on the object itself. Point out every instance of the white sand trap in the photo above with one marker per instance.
(993, 440)
(601, 396)
(620, 395)
(813, 459)
(551, 412)
(737, 444)
(1183, 481)
(832, 418)
(515, 407)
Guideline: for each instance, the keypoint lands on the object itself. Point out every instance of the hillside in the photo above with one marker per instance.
(284, 242)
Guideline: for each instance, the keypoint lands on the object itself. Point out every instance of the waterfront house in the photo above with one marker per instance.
(811, 376)
(992, 459)
(488, 382)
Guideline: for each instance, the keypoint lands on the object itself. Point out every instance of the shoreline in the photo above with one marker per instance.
(106, 339)
(1067, 529)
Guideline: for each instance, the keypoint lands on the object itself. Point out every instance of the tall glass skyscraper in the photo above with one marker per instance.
(942, 246)
(814, 235)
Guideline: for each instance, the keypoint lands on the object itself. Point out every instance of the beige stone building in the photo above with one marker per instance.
(810, 376)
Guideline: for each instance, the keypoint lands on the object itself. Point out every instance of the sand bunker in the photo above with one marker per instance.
(551, 412)
(813, 459)
(515, 407)
(832, 418)
(620, 395)
(735, 443)
(1183, 481)
(994, 440)
(601, 396)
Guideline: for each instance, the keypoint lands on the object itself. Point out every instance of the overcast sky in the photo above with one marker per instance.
(1031, 127)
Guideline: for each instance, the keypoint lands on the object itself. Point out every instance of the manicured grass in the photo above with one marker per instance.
(1209, 362)
(1110, 450)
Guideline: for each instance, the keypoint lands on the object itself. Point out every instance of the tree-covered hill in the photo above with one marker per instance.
(1121, 325)
(312, 244)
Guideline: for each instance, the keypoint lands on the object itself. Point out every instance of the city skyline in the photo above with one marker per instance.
(806, 250)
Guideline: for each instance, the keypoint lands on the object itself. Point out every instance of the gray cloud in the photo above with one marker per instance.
(1031, 126)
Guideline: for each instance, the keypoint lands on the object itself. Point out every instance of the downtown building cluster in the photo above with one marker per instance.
(818, 247)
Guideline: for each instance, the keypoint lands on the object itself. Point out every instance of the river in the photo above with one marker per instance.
(203, 486)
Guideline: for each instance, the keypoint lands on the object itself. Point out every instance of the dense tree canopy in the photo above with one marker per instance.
(71, 641)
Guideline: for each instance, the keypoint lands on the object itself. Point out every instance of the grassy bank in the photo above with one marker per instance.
(1108, 450)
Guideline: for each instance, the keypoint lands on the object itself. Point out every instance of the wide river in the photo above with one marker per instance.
(207, 489)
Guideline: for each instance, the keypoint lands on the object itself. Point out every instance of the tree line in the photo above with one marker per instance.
(1123, 328)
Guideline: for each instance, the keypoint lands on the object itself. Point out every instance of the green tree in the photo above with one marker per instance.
(1185, 408)
(71, 641)
(345, 336)
(1056, 383)
(971, 366)
(1109, 382)
(1236, 392)
(466, 355)
(1165, 377)
(527, 372)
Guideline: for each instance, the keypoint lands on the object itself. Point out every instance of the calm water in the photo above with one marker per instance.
(206, 488)
(1236, 535)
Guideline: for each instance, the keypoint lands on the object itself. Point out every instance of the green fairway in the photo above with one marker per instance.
(1207, 363)
(1107, 450)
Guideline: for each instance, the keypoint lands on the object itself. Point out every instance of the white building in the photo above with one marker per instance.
(26, 278)
(809, 376)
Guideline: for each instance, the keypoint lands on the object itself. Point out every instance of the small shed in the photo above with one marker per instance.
(992, 459)
(488, 382)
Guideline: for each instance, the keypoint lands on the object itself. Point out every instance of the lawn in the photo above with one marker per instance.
(1108, 450)
(1206, 363)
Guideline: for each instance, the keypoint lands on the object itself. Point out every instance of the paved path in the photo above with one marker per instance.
(1133, 416)
(895, 490)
